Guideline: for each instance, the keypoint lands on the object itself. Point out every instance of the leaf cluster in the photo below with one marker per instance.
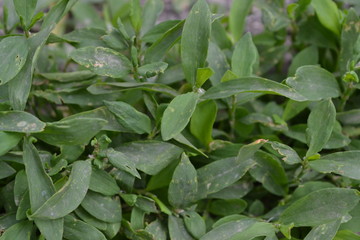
(115, 125)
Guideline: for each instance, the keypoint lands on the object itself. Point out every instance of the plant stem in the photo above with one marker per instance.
(349, 89)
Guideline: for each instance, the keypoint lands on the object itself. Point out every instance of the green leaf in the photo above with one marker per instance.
(103, 61)
(102, 207)
(354, 222)
(219, 35)
(349, 37)
(324, 231)
(85, 14)
(57, 167)
(256, 230)
(245, 58)
(14, 51)
(235, 191)
(313, 32)
(137, 219)
(21, 186)
(343, 163)
(226, 207)
(7, 197)
(309, 187)
(184, 184)
(135, 14)
(41, 189)
(157, 229)
(328, 14)
(320, 207)
(251, 84)
(146, 204)
(273, 14)
(314, 83)
(25, 10)
(8, 141)
(152, 69)
(22, 122)
(228, 75)
(139, 234)
(177, 229)
(100, 113)
(270, 173)
(228, 230)
(102, 182)
(111, 87)
(222, 173)
(112, 230)
(19, 231)
(7, 220)
(6, 170)
(195, 224)
(202, 75)
(57, 12)
(20, 85)
(163, 178)
(69, 76)
(150, 156)
(159, 48)
(195, 40)
(321, 122)
(77, 131)
(346, 235)
(202, 121)
(121, 161)
(89, 219)
(129, 117)
(351, 117)
(75, 229)
(24, 207)
(178, 114)
(289, 155)
(69, 197)
(307, 56)
(293, 108)
(158, 31)
(187, 145)
(116, 40)
(151, 11)
(218, 62)
(87, 37)
(238, 11)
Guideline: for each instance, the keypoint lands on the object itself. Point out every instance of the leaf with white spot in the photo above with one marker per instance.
(77, 229)
(195, 40)
(289, 154)
(19, 121)
(103, 61)
(321, 123)
(13, 51)
(343, 163)
(77, 131)
(41, 189)
(69, 197)
(320, 207)
(104, 208)
(178, 114)
(184, 184)
(222, 173)
(314, 83)
(148, 156)
(129, 117)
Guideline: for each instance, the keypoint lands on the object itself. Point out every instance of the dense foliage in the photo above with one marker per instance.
(114, 125)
